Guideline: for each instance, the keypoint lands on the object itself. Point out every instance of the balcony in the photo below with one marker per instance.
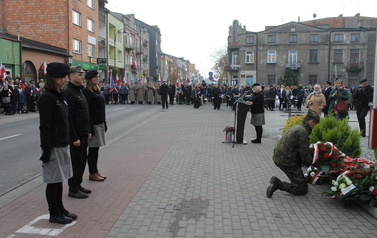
(293, 66)
(232, 68)
(355, 67)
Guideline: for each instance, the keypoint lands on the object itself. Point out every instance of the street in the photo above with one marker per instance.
(19, 139)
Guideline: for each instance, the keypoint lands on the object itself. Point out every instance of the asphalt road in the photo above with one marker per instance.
(19, 140)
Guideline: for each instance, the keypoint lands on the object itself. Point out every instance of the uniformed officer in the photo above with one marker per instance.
(291, 152)
(363, 96)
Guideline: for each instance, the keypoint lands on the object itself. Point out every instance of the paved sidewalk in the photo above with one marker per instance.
(172, 176)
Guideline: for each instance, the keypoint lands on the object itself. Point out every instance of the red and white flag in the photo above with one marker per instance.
(3, 71)
(45, 68)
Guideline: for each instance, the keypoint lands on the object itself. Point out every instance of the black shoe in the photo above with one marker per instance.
(256, 141)
(78, 194)
(275, 185)
(71, 215)
(84, 190)
(61, 219)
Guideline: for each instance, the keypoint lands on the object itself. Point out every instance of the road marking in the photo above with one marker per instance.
(8, 137)
(119, 109)
(29, 229)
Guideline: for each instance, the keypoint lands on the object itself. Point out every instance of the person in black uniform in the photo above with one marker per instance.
(326, 93)
(363, 96)
(171, 92)
(216, 93)
(79, 125)
(257, 111)
(97, 112)
(164, 94)
(54, 136)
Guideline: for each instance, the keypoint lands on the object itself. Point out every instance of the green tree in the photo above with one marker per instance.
(339, 133)
(290, 78)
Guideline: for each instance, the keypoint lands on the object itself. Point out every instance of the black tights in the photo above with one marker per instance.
(54, 196)
(93, 159)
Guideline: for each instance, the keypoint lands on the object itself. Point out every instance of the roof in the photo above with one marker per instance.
(35, 45)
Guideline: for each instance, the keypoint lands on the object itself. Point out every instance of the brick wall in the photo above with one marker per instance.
(50, 22)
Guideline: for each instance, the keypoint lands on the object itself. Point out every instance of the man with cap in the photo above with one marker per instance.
(363, 96)
(54, 136)
(79, 125)
(326, 93)
(291, 152)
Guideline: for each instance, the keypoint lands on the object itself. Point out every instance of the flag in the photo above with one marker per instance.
(159, 78)
(3, 71)
(45, 68)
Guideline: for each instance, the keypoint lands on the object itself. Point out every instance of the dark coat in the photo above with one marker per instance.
(363, 96)
(53, 116)
(258, 103)
(79, 120)
(96, 105)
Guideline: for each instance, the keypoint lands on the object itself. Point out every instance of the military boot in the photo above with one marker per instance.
(275, 185)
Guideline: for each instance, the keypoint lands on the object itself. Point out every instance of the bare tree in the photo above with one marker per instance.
(220, 60)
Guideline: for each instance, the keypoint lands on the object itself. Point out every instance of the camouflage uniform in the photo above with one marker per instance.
(291, 152)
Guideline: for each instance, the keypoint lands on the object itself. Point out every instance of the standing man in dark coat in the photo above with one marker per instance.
(79, 126)
(171, 93)
(163, 90)
(216, 93)
(326, 93)
(363, 96)
(291, 152)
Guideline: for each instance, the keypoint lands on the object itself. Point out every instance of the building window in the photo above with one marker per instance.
(353, 79)
(271, 39)
(313, 37)
(338, 37)
(338, 56)
(354, 58)
(249, 39)
(271, 79)
(293, 38)
(292, 56)
(76, 18)
(313, 56)
(91, 50)
(91, 3)
(77, 46)
(90, 25)
(119, 56)
(249, 57)
(271, 56)
(355, 37)
(312, 79)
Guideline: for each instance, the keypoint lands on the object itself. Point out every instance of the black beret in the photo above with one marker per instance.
(328, 82)
(255, 84)
(57, 70)
(363, 81)
(91, 73)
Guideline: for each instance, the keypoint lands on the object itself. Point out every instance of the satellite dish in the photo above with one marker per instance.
(314, 15)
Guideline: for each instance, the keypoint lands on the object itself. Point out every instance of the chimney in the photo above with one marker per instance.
(298, 20)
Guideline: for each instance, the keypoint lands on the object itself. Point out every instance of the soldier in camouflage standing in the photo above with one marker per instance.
(291, 152)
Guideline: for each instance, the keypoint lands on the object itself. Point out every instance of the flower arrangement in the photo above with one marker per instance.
(357, 177)
(327, 157)
(229, 129)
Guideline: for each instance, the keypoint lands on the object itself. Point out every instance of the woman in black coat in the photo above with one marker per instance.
(54, 135)
(96, 104)
(257, 111)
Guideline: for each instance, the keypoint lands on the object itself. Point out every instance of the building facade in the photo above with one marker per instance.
(316, 51)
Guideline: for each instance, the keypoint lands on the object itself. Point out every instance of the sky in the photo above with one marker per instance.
(196, 29)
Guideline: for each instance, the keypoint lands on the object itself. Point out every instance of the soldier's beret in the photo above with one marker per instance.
(57, 70)
(328, 82)
(76, 69)
(91, 73)
(314, 115)
(363, 81)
